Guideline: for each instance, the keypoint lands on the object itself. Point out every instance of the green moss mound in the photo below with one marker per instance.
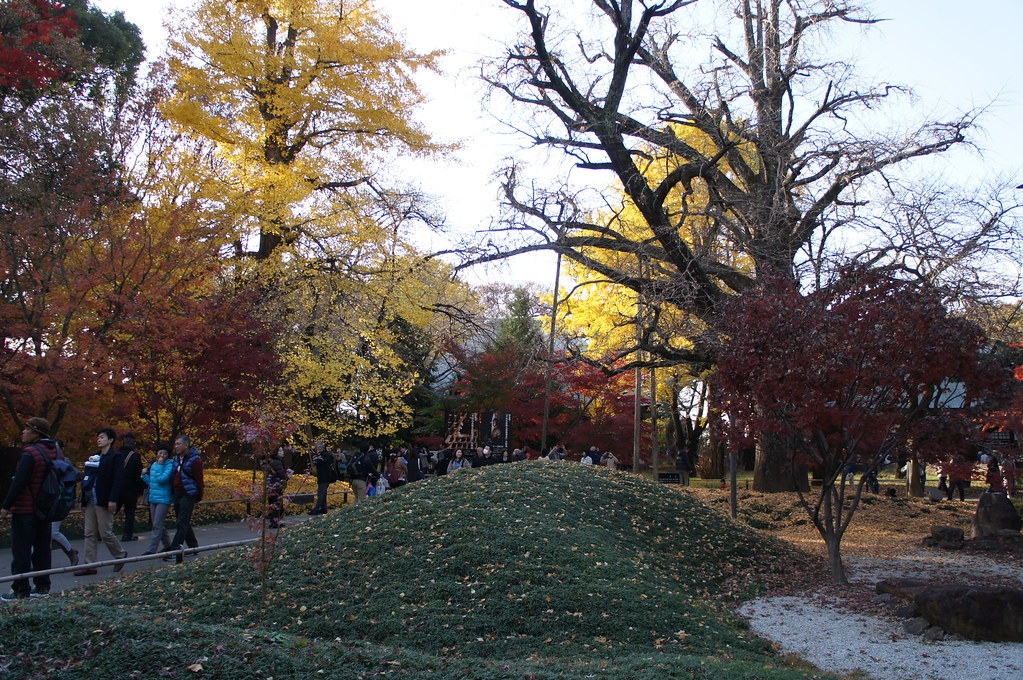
(541, 569)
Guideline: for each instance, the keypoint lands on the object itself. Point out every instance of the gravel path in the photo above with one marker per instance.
(837, 639)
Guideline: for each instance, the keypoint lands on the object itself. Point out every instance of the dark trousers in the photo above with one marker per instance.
(321, 498)
(274, 508)
(953, 486)
(30, 550)
(183, 507)
(130, 504)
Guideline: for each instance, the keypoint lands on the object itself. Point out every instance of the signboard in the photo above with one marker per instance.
(473, 430)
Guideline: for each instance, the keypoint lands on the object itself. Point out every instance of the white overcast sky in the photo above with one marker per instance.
(955, 55)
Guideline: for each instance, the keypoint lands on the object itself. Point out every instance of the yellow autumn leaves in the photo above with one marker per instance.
(293, 109)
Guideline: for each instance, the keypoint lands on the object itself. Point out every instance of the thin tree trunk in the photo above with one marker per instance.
(914, 481)
(733, 494)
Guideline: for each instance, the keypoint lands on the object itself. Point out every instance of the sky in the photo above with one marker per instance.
(954, 55)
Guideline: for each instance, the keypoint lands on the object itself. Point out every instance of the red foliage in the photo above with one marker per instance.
(190, 365)
(1011, 416)
(854, 372)
(587, 406)
(27, 28)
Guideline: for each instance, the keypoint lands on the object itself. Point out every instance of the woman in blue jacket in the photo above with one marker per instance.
(161, 496)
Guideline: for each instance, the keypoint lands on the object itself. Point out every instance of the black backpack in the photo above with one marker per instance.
(331, 465)
(57, 494)
(358, 466)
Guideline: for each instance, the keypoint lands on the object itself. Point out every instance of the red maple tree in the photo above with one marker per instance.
(588, 407)
(864, 369)
(28, 30)
(192, 365)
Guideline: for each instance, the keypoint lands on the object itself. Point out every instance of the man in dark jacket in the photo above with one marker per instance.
(364, 470)
(101, 503)
(131, 468)
(30, 536)
(326, 474)
(188, 485)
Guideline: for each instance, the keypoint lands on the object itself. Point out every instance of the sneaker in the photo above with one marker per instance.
(40, 592)
(119, 567)
(14, 595)
(74, 557)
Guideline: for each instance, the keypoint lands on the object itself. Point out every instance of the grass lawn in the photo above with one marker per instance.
(532, 570)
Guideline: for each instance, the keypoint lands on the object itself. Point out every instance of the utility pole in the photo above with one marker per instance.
(655, 451)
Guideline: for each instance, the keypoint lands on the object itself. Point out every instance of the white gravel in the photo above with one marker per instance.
(835, 639)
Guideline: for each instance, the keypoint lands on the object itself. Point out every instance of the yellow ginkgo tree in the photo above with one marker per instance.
(307, 103)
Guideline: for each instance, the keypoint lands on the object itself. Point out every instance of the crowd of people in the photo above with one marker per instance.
(114, 479)
(371, 471)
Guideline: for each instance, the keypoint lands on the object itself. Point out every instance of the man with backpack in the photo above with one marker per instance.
(326, 474)
(30, 534)
(364, 470)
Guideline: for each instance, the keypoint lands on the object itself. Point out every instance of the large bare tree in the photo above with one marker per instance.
(726, 131)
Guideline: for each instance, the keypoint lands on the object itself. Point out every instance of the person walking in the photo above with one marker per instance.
(684, 466)
(161, 496)
(276, 481)
(397, 470)
(326, 474)
(30, 536)
(363, 471)
(130, 461)
(58, 539)
(187, 483)
(100, 503)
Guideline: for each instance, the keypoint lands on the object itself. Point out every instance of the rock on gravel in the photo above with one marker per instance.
(840, 641)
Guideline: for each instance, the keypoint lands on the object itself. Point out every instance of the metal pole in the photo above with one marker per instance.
(127, 560)
(550, 359)
(655, 449)
(637, 411)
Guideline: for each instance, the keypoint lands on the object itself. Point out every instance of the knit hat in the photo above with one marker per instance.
(40, 426)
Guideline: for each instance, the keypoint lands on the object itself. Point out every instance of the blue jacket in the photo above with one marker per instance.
(159, 481)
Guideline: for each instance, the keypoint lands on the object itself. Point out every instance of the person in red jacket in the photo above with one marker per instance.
(30, 536)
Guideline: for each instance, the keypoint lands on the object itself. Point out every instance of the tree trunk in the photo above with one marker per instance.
(733, 493)
(835, 559)
(774, 470)
(914, 480)
(712, 464)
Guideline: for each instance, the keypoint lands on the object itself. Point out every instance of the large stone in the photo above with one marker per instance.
(905, 588)
(947, 534)
(994, 513)
(916, 626)
(994, 614)
(1008, 538)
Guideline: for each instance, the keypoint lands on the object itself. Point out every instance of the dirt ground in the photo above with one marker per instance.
(884, 539)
